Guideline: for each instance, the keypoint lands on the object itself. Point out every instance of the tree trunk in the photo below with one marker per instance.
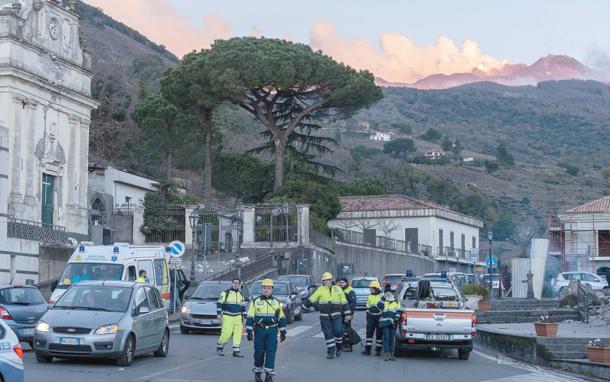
(170, 164)
(206, 119)
(280, 151)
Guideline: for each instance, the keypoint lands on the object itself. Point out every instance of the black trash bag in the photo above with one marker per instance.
(353, 337)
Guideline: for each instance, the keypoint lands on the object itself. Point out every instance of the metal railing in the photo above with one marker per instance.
(275, 223)
(246, 272)
(36, 231)
(163, 223)
(322, 240)
(383, 242)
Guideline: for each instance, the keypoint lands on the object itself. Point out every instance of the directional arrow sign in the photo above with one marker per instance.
(177, 248)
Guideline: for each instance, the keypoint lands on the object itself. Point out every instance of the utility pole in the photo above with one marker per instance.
(490, 237)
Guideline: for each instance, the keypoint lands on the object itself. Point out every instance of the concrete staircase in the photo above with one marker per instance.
(524, 310)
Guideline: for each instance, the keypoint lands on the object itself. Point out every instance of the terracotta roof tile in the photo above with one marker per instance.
(382, 203)
(596, 206)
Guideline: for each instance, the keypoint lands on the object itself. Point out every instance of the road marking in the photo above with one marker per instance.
(292, 332)
(319, 335)
(536, 373)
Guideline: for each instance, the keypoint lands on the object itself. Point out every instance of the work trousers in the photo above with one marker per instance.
(265, 346)
(232, 326)
(372, 327)
(389, 336)
(333, 333)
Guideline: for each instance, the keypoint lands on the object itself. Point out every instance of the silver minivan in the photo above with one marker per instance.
(104, 319)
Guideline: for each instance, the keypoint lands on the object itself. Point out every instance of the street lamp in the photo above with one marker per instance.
(490, 238)
(194, 222)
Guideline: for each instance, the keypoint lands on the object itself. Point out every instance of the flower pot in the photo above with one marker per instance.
(546, 329)
(484, 306)
(595, 354)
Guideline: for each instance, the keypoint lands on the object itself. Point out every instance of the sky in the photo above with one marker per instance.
(398, 40)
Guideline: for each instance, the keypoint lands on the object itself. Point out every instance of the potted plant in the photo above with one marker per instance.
(546, 327)
(476, 297)
(597, 351)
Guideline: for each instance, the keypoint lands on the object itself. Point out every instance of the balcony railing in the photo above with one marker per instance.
(354, 237)
(36, 231)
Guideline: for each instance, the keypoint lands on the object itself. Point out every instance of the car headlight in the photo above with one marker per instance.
(43, 327)
(108, 329)
(186, 309)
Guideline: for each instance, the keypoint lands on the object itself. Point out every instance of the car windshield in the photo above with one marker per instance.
(209, 291)
(298, 281)
(279, 289)
(76, 272)
(394, 279)
(445, 294)
(95, 297)
(362, 283)
(21, 296)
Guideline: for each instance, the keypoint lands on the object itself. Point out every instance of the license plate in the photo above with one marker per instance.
(439, 337)
(69, 341)
(26, 332)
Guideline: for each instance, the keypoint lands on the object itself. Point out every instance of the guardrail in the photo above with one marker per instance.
(322, 240)
(36, 231)
(245, 272)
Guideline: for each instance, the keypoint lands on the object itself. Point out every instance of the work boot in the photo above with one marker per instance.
(268, 377)
(377, 352)
(347, 348)
(330, 355)
(387, 356)
(366, 351)
(338, 350)
(238, 354)
(258, 377)
(220, 352)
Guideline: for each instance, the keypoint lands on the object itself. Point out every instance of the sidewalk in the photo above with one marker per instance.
(567, 329)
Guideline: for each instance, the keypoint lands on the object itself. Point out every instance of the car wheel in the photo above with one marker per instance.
(163, 346)
(184, 330)
(43, 358)
(290, 317)
(463, 354)
(299, 317)
(126, 358)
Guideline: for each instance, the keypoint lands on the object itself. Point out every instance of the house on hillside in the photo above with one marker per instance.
(410, 225)
(378, 136)
(435, 155)
(580, 237)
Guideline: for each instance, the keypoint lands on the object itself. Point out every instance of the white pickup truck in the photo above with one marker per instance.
(434, 318)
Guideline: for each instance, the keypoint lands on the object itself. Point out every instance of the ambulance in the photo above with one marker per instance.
(120, 261)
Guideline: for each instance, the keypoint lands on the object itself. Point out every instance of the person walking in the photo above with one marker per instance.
(373, 313)
(231, 311)
(350, 296)
(264, 316)
(391, 311)
(333, 311)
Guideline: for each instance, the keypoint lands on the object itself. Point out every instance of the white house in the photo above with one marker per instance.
(45, 112)
(582, 236)
(434, 155)
(125, 188)
(384, 137)
(424, 227)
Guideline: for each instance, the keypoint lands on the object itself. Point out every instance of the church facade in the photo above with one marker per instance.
(45, 115)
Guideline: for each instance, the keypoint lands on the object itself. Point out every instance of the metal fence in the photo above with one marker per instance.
(246, 272)
(36, 231)
(163, 223)
(322, 240)
(276, 223)
(226, 224)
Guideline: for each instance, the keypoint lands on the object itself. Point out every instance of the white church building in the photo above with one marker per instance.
(45, 111)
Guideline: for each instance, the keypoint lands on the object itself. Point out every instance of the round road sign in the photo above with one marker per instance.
(177, 248)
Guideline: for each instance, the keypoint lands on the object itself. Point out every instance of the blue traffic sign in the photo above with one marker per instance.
(177, 248)
(494, 262)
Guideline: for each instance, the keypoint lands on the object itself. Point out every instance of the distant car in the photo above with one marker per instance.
(305, 284)
(11, 355)
(392, 279)
(563, 280)
(361, 289)
(21, 307)
(104, 319)
(198, 312)
(287, 294)
(495, 280)
(457, 278)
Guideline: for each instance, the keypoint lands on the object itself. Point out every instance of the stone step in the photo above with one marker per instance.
(523, 316)
(523, 304)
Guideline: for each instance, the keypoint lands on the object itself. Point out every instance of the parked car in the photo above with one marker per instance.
(305, 284)
(495, 280)
(433, 319)
(361, 288)
(287, 294)
(11, 355)
(588, 279)
(198, 312)
(392, 279)
(21, 307)
(457, 278)
(104, 319)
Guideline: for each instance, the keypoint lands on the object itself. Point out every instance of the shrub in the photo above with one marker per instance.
(474, 289)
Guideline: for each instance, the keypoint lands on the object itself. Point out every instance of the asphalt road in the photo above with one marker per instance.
(301, 357)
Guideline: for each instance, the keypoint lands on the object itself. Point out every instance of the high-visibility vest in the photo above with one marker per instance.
(331, 301)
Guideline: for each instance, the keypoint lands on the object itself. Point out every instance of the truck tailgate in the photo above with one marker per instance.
(434, 322)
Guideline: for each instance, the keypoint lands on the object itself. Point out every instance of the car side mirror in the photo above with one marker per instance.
(54, 284)
(143, 310)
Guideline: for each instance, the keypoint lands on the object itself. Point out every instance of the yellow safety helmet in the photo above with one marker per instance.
(268, 282)
(375, 284)
(327, 276)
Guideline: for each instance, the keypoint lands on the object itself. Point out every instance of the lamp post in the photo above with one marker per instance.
(490, 238)
(194, 222)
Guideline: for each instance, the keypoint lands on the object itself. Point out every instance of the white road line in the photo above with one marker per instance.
(319, 335)
(293, 332)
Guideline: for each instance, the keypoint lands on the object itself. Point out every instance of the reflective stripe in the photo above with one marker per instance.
(248, 328)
